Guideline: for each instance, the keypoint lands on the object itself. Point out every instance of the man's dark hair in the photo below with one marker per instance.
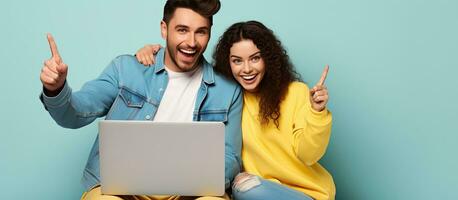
(206, 8)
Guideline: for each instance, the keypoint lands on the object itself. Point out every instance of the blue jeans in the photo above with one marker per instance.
(261, 189)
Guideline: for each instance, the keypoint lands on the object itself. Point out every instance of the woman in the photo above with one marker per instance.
(286, 127)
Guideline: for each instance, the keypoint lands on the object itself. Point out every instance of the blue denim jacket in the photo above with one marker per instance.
(127, 90)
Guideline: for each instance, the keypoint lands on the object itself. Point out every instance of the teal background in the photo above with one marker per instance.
(392, 86)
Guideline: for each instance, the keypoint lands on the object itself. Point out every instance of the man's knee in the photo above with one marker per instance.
(244, 182)
(96, 194)
(225, 197)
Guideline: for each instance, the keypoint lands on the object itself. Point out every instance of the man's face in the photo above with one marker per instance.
(187, 36)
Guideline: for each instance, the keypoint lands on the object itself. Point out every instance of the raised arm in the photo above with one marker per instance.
(313, 124)
(75, 109)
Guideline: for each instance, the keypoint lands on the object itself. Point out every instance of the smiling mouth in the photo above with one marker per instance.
(188, 53)
(249, 77)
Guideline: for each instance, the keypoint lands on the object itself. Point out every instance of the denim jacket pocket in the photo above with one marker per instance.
(213, 115)
(126, 105)
(131, 99)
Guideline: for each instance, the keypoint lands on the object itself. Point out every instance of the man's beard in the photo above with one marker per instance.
(175, 50)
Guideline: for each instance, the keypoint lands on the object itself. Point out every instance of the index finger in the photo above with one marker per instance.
(323, 75)
(53, 46)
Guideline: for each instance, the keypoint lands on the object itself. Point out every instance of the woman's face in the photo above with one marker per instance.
(247, 64)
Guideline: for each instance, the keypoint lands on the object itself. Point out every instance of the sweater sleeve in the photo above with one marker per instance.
(311, 129)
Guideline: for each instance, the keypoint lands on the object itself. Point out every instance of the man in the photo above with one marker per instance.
(181, 86)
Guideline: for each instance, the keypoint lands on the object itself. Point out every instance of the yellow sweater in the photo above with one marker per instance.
(289, 155)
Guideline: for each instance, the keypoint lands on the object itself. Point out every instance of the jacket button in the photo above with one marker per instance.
(148, 117)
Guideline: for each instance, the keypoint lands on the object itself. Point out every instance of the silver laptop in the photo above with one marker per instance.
(161, 158)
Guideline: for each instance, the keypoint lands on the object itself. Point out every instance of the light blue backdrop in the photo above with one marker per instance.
(392, 84)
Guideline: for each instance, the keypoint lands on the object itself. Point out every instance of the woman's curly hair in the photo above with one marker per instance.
(279, 70)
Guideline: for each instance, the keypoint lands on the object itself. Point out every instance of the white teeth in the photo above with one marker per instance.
(188, 51)
(248, 77)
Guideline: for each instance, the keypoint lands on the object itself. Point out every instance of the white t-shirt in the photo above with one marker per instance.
(178, 102)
